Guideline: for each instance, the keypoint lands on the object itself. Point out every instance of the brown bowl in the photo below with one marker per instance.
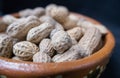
(88, 67)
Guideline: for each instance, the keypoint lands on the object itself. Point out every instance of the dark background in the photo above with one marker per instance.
(105, 11)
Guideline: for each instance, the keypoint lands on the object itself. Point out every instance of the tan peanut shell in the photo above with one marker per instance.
(9, 19)
(25, 50)
(74, 41)
(38, 11)
(61, 41)
(49, 7)
(25, 12)
(102, 29)
(99, 46)
(46, 47)
(48, 19)
(20, 28)
(41, 57)
(5, 45)
(76, 33)
(69, 55)
(57, 28)
(86, 24)
(59, 13)
(71, 22)
(89, 41)
(36, 34)
(3, 26)
(25, 58)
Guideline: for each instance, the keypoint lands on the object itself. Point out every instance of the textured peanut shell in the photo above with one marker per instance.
(100, 45)
(69, 55)
(49, 7)
(86, 24)
(25, 49)
(9, 19)
(46, 47)
(57, 28)
(22, 58)
(38, 11)
(102, 29)
(5, 45)
(25, 58)
(59, 13)
(48, 19)
(36, 34)
(76, 33)
(3, 26)
(71, 22)
(74, 41)
(20, 28)
(61, 41)
(41, 57)
(89, 41)
(25, 12)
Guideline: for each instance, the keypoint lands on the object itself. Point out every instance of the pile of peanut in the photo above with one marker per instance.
(50, 34)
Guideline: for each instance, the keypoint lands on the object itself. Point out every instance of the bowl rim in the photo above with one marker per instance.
(41, 69)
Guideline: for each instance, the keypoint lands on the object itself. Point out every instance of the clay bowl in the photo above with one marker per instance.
(88, 67)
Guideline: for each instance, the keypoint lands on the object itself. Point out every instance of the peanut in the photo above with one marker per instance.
(59, 13)
(49, 7)
(57, 28)
(89, 41)
(76, 33)
(41, 57)
(25, 50)
(39, 11)
(61, 41)
(86, 24)
(69, 55)
(9, 19)
(48, 19)
(5, 45)
(3, 26)
(20, 28)
(36, 34)
(25, 12)
(46, 47)
(70, 22)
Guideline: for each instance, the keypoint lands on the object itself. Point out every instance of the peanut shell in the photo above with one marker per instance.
(41, 57)
(9, 19)
(89, 42)
(36, 34)
(46, 47)
(20, 28)
(76, 33)
(61, 41)
(25, 50)
(69, 55)
(70, 22)
(6, 44)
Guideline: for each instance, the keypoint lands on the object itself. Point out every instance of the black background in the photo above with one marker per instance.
(105, 11)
